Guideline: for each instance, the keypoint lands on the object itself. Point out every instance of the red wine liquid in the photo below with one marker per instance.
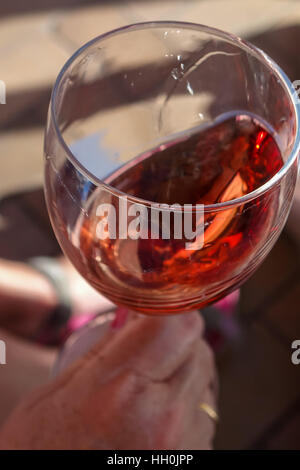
(213, 165)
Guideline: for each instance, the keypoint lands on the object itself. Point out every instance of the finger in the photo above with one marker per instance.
(199, 427)
(203, 392)
(153, 347)
(181, 422)
(196, 374)
(205, 425)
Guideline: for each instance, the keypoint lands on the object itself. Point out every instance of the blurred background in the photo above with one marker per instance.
(259, 386)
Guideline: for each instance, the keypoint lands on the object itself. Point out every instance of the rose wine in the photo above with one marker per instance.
(208, 166)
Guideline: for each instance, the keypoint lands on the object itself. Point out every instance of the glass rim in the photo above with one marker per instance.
(247, 46)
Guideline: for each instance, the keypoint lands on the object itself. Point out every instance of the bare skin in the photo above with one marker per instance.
(140, 388)
(27, 297)
(28, 367)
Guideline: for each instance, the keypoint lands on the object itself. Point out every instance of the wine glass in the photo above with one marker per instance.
(137, 120)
